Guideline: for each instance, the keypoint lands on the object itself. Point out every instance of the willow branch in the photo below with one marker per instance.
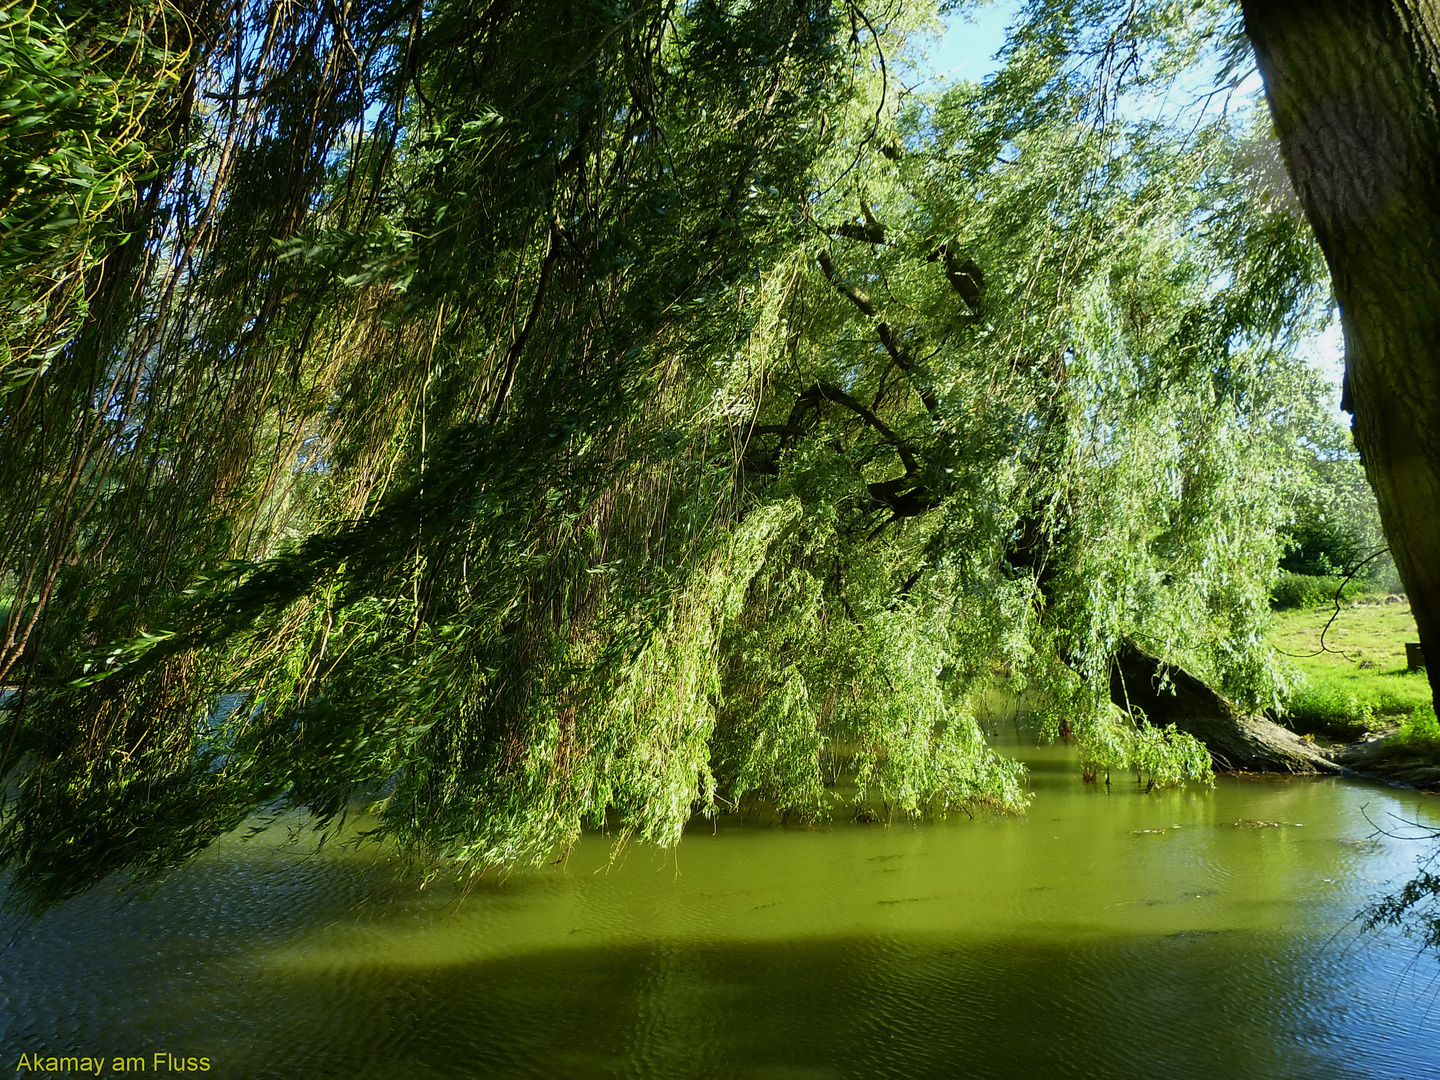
(872, 232)
(830, 392)
(512, 356)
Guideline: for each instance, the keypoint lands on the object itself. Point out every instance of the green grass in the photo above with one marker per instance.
(1359, 683)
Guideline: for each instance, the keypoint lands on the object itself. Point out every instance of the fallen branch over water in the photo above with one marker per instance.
(1237, 742)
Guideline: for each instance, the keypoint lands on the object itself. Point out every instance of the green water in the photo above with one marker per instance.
(1103, 934)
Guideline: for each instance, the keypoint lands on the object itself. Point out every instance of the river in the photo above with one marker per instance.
(1194, 933)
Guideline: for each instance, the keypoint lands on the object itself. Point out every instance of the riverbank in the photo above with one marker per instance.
(1354, 696)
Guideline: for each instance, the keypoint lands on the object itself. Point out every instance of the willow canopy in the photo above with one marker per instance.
(522, 416)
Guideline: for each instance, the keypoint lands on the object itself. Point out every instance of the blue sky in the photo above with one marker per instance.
(970, 42)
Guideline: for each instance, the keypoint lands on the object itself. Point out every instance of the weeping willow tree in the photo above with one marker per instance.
(533, 416)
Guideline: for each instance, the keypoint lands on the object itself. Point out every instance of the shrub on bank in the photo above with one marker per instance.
(1330, 711)
(1341, 714)
(1421, 732)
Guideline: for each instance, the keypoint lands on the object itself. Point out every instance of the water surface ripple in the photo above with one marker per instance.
(1105, 934)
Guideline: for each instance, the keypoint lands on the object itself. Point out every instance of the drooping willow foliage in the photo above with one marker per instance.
(532, 415)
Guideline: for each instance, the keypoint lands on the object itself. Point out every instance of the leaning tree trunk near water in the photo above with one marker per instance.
(1354, 89)
(1236, 741)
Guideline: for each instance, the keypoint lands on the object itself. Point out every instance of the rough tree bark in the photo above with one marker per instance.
(1354, 89)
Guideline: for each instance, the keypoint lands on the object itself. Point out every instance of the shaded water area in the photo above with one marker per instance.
(1103, 934)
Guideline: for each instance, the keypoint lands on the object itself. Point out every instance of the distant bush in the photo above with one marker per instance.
(1326, 710)
(1307, 591)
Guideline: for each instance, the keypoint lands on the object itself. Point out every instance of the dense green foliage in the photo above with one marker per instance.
(93, 102)
(539, 415)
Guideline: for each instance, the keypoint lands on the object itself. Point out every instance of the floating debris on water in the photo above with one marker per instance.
(1256, 823)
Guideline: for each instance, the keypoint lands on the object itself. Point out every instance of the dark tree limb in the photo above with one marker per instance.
(966, 278)
(871, 232)
(898, 352)
(906, 363)
(1236, 741)
(759, 462)
(904, 496)
(853, 230)
(873, 227)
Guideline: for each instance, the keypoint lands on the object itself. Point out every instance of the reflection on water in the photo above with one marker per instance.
(1177, 934)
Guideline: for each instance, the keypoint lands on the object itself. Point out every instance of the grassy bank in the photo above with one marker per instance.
(1358, 686)
(1358, 683)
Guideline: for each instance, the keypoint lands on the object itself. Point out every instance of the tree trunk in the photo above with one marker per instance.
(1235, 741)
(1354, 89)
